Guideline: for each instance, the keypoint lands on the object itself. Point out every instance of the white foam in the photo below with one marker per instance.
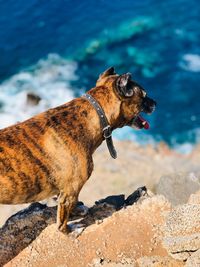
(139, 136)
(185, 148)
(50, 79)
(191, 62)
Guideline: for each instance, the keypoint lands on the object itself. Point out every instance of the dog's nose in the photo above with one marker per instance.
(148, 105)
(149, 102)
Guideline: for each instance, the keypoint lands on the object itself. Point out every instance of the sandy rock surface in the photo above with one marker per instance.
(126, 262)
(182, 231)
(128, 234)
(194, 260)
(157, 261)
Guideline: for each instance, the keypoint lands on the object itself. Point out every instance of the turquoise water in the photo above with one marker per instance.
(58, 48)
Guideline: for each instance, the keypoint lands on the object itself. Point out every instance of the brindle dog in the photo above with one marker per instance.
(51, 153)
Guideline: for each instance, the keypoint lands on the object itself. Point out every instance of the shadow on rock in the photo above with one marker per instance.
(23, 227)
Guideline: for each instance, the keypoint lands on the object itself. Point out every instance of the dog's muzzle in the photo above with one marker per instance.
(148, 106)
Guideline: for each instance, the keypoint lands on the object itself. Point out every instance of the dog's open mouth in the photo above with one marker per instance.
(139, 123)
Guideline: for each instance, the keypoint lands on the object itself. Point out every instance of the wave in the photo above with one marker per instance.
(49, 79)
(191, 62)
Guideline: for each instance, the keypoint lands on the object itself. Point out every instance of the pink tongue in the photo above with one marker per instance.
(145, 123)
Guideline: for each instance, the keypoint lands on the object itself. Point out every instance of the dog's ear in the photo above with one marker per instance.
(108, 72)
(122, 83)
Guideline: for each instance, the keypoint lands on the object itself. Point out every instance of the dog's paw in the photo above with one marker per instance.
(63, 228)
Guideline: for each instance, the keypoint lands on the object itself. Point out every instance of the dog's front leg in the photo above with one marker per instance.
(66, 203)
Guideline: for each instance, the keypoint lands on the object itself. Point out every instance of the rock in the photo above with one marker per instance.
(116, 201)
(194, 198)
(157, 261)
(140, 192)
(129, 233)
(182, 231)
(23, 227)
(194, 259)
(178, 187)
(119, 265)
(32, 99)
(102, 263)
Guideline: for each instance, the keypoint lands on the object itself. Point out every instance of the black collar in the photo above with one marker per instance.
(106, 129)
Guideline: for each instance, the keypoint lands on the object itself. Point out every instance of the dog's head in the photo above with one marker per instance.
(134, 99)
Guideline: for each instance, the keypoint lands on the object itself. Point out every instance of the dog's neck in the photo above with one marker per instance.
(110, 104)
(105, 126)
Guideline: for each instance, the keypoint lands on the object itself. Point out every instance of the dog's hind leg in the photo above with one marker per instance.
(66, 203)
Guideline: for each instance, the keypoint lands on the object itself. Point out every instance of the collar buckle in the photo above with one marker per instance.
(107, 132)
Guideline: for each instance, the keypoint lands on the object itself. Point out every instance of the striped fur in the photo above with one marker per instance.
(51, 153)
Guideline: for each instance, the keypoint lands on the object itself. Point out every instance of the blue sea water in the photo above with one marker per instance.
(58, 48)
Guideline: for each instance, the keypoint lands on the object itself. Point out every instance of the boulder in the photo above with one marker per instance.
(32, 99)
(182, 231)
(178, 187)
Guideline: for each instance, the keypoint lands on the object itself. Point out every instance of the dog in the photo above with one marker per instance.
(51, 153)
